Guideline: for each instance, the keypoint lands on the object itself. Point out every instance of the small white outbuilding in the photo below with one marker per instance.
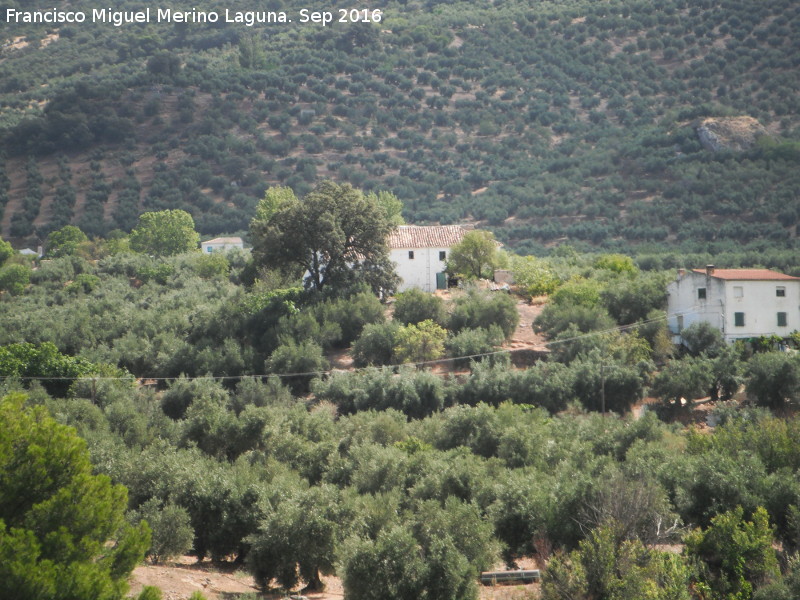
(420, 254)
(221, 244)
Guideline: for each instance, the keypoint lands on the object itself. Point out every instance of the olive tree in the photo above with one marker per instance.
(437, 554)
(299, 539)
(773, 378)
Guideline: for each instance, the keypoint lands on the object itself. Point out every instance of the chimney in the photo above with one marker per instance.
(709, 270)
(681, 272)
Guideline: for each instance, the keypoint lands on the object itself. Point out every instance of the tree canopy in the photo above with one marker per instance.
(62, 529)
(738, 554)
(475, 256)
(335, 235)
(14, 278)
(390, 204)
(400, 478)
(65, 241)
(468, 131)
(5, 251)
(164, 233)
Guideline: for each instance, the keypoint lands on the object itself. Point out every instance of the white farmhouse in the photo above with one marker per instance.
(420, 253)
(741, 303)
(221, 244)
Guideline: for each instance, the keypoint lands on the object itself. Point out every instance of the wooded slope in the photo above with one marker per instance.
(546, 121)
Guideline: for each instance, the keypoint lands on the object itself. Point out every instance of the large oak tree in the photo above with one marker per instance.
(335, 235)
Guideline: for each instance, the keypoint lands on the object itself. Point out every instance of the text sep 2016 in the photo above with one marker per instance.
(167, 15)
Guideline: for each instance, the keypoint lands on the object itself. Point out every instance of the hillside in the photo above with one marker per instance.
(213, 404)
(549, 122)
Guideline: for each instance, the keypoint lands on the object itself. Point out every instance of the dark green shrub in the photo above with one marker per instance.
(209, 426)
(481, 309)
(375, 345)
(630, 299)
(773, 378)
(472, 342)
(555, 319)
(689, 378)
(14, 279)
(546, 384)
(415, 306)
(251, 391)
(182, 392)
(489, 383)
(297, 364)
(299, 538)
(599, 381)
(172, 533)
(414, 393)
(352, 314)
(702, 338)
(305, 327)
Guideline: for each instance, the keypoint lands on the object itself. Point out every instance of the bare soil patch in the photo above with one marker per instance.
(180, 579)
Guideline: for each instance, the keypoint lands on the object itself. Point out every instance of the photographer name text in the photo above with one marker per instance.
(249, 18)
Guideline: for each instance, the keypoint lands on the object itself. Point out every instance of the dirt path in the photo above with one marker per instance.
(525, 336)
(179, 580)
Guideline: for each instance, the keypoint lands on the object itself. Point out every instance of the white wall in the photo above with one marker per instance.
(209, 248)
(682, 300)
(761, 306)
(419, 272)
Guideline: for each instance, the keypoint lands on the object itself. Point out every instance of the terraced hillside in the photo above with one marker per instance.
(548, 122)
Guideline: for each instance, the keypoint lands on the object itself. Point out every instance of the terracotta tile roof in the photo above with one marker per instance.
(748, 274)
(434, 236)
(224, 240)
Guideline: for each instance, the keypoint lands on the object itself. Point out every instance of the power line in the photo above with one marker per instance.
(618, 328)
(259, 376)
(621, 328)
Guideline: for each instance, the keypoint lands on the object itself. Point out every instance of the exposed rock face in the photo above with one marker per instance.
(729, 133)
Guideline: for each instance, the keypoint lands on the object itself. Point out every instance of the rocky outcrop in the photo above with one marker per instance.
(729, 133)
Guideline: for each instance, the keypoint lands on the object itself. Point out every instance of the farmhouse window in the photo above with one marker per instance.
(780, 292)
(442, 255)
(781, 319)
(410, 255)
(701, 293)
(738, 291)
(738, 319)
